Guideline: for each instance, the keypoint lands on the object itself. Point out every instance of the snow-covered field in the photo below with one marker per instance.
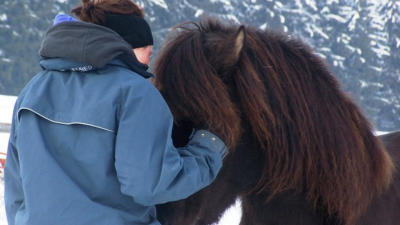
(6, 108)
(3, 220)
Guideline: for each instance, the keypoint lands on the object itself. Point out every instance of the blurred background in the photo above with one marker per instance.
(359, 39)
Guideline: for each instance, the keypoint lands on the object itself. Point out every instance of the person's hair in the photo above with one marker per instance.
(94, 11)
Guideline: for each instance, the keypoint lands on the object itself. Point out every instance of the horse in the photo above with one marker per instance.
(301, 152)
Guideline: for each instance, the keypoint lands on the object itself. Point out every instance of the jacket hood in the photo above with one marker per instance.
(87, 46)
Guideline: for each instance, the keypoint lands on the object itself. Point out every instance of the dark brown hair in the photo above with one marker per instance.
(93, 11)
(314, 139)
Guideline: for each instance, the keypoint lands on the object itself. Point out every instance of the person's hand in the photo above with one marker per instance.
(181, 133)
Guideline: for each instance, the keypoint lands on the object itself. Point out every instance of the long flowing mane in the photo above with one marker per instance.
(314, 139)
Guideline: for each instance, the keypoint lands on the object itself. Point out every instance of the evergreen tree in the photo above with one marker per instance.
(359, 39)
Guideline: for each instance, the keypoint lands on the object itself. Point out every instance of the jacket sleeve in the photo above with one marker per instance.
(13, 193)
(149, 168)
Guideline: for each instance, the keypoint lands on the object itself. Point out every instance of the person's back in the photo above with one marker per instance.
(91, 138)
(66, 156)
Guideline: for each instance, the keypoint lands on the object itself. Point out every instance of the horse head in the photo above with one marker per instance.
(241, 81)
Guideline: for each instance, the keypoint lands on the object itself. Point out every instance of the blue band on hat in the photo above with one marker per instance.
(61, 18)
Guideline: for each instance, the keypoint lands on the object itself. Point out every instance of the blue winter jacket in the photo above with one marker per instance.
(91, 138)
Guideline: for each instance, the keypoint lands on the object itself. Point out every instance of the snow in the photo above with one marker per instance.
(378, 24)
(381, 50)
(387, 101)
(3, 142)
(330, 2)
(312, 4)
(264, 26)
(3, 220)
(325, 10)
(271, 13)
(350, 48)
(285, 29)
(16, 34)
(258, 7)
(282, 18)
(232, 18)
(345, 38)
(278, 5)
(227, 4)
(160, 3)
(379, 36)
(381, 132)
(377, 69)
(352, 24)
(363, 84)
(320, 32)
(199, 12)
(6, 108)
(309, 30)
(337, 18)
(3, 17)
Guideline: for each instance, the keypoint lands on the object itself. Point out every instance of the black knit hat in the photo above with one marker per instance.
(133, 29)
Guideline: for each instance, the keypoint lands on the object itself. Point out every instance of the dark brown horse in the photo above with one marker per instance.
(301, 152)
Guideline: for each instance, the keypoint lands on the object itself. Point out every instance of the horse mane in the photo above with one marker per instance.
(314, 139)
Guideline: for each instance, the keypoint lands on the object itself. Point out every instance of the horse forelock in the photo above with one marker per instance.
(315, 140)
(192, 88)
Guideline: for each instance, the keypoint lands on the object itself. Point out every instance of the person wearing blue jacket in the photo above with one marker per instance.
(90, 141)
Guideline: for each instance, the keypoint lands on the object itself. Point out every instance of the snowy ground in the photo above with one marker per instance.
(3, 220)
(4, 141)
(6, 109)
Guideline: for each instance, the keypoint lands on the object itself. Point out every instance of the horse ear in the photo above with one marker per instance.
(239, 42)
(224, 50)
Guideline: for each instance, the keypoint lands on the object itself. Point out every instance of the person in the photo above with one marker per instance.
(90, 141)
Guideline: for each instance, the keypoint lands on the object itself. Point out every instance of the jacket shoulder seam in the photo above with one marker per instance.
(62, 123)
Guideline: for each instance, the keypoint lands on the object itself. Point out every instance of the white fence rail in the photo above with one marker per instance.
(5, 127)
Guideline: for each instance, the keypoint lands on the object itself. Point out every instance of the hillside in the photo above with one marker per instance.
(359, 39)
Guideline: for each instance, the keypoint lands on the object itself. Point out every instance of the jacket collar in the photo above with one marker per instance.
(86, 46)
